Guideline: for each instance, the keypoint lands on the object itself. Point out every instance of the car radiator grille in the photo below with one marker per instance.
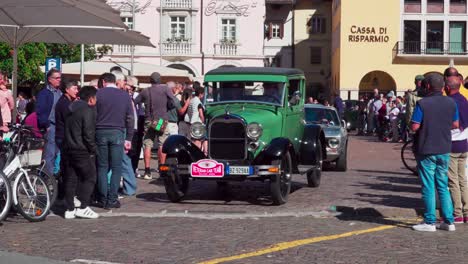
(227, 139)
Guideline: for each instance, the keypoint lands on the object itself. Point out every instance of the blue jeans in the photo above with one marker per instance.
(128, 174)
(110, 151)
(433, 171)
(51, 150)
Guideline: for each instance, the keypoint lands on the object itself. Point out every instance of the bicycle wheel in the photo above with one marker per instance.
(408, 158)
(5, 196)
(51, 184)
(33, 197)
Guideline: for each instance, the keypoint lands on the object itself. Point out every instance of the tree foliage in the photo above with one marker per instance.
(70, 53)
(33, 55)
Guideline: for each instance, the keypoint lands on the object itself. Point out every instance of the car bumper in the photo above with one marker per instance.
(332, 154)
(231, 171)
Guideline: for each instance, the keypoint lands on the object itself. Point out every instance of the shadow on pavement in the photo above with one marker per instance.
(368, 215)
(388, 187)
(408, 180)
(386, 172)
(391, 200)
(205, 192)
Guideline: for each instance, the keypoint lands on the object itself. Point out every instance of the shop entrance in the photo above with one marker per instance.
(376, 79)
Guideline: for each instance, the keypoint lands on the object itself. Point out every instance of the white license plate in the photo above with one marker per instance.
(239, 170)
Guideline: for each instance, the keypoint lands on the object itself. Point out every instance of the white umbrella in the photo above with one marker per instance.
(62, 21)
(142, 70)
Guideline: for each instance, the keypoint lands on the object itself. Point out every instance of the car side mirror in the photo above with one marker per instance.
(343, 123)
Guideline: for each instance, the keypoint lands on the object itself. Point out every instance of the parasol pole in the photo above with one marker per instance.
(14, 75)
(82, 66)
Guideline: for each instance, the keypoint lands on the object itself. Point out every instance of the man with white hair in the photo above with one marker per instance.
(114, 132)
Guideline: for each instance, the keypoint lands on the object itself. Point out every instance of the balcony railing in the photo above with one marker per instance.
(430, 48)
(458, 8)
(412, 7)
(122, 49)
(177, 48)
(435, 7)
(177, 4)
(229, 49)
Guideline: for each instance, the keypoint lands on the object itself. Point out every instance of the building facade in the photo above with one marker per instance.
(384, 44)
(278, 39)
(312, 44)
(196, 35)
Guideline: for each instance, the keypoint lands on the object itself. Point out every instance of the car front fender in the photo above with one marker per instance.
(182, 148)
(275, 150)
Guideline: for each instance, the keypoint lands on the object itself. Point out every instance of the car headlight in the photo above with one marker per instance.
(197, 130)
(254, 131)
(333, 142)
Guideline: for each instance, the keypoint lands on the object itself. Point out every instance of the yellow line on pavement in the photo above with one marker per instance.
(295, 243)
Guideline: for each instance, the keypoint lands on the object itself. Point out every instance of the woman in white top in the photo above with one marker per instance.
(195, 113)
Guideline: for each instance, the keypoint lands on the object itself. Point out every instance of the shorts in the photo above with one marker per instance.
(151, 135)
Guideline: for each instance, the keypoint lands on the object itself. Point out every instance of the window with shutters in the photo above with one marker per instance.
(128, 21)
(317, 25)
(274, 30)
(177, 28)
(315, 55)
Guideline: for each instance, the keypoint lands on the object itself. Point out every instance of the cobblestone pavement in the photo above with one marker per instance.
(239, 223)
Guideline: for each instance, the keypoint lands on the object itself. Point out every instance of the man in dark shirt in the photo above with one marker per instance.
(69, 90)
(79, 153)
(457, 177)
(433, 118)
(156, 99)
(114, 132)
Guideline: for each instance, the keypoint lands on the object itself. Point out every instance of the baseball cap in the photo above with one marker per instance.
(419, 77)
(155, 77)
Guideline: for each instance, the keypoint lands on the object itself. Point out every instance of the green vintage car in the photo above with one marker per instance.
(255, 130)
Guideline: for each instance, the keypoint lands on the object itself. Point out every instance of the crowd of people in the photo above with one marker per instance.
(94, 134)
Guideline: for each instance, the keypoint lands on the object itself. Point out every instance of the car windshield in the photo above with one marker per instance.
(321, 116)
(242, 91)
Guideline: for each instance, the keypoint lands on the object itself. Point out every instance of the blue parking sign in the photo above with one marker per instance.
(53, 63)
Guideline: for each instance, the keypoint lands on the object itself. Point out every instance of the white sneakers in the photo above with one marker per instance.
(76, 202)
(433, 227)
(70, 214)
(445, 226)
(86, 213)
(425, 227)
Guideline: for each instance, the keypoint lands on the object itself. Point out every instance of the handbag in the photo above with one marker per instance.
(160, 124)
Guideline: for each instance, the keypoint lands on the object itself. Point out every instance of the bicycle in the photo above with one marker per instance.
(408, 157)
(5, 196)
(31, 195)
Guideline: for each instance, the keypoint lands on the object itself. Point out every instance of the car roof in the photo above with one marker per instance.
(319, 106)
(256, 70)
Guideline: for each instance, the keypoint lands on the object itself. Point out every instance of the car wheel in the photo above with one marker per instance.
(280, 184)
(342, 161)
(176, 185)
(314, 176)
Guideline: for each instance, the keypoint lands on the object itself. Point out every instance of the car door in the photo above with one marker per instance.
(294, 124)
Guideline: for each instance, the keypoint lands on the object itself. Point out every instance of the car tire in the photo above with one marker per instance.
(342, 161)
(280, 184)
(314, 176)
(176, 185)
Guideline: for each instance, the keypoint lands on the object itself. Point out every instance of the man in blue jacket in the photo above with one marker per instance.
(114, 132)
(46, 100)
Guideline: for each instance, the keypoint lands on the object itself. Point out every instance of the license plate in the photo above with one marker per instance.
(239, 170)
(207, 169)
